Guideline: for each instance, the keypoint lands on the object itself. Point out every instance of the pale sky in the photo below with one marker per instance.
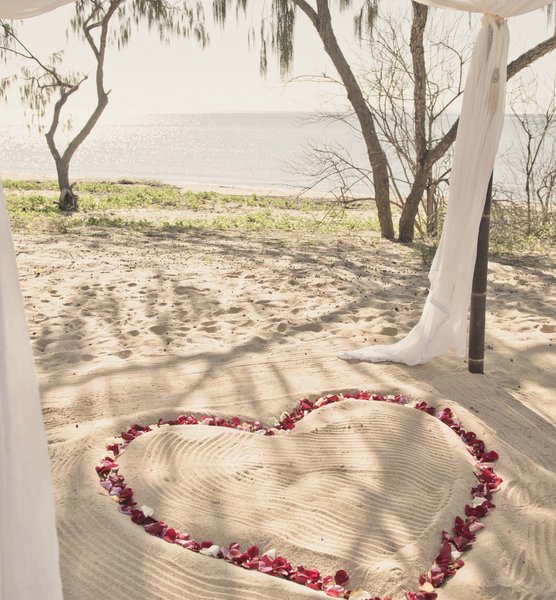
(224, 77)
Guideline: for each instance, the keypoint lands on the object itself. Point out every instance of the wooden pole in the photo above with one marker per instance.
(476, 358)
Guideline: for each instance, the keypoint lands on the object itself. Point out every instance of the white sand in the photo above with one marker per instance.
(130, 327)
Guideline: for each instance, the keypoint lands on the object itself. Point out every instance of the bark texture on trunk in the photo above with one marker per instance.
(411, 206)
(422, 169)
(67, 201)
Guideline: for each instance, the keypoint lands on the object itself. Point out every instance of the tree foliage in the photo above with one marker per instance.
(277, 28)
(167, 18)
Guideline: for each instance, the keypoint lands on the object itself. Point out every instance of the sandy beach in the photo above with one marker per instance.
(133, 326)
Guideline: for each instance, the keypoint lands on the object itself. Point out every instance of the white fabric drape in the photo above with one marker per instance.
(443, 323)
(29, 565)
(21, 9)
(501, 8)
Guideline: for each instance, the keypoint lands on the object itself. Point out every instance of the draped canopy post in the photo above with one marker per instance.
(443, 322)
(477, 311)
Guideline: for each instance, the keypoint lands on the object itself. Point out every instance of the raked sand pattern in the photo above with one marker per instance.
(129, 327)
(302, 492)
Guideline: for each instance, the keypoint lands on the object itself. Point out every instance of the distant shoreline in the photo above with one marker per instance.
(229, 189)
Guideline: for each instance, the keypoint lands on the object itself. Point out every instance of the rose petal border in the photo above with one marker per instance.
(452, 547)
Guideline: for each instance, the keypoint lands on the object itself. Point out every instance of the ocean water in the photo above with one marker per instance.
(259, 151)
(263, 150)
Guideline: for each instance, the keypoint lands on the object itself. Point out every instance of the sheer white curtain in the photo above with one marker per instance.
(21, 9)
(29, 567)
(443, 323)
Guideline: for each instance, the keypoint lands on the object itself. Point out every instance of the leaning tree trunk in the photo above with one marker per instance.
(322, 21)
(377, 156)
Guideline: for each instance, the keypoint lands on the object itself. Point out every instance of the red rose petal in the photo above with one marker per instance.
(341, 577)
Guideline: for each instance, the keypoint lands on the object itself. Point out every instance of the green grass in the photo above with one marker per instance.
(32, 205)
(29, 185)
(266, 220)
(117, 222)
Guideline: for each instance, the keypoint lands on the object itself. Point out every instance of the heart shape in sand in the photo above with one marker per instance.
(366, 486)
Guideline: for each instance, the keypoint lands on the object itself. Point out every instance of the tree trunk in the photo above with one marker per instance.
(322, 22)
(422, 166)
(67, 201)
(411, 206)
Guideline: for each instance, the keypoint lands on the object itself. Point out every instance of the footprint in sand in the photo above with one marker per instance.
(548, 328)
(158, 329)
(390, 331)
(134, 332)
(69, 358)
(182, 290)
(210, 329)
(316, 327)
(124, 354)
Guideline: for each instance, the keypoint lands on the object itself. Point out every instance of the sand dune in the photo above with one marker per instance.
(130, 327)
